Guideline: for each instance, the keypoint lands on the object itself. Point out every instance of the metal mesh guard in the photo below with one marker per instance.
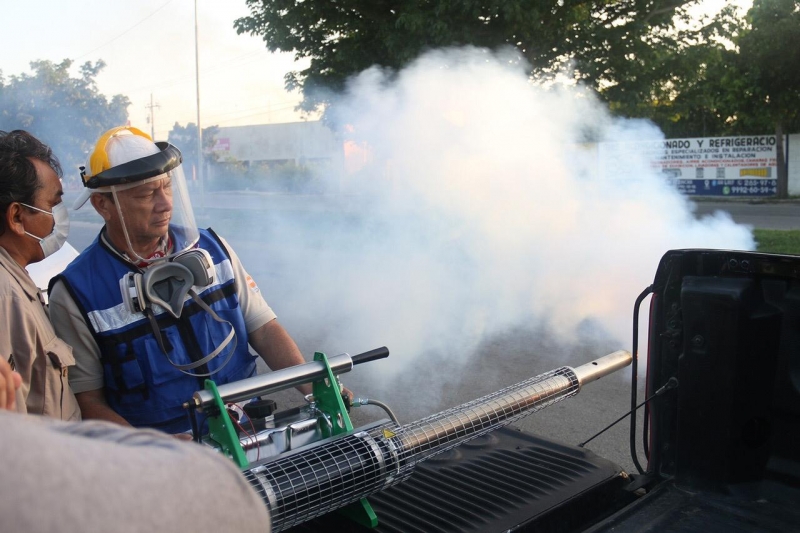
(302, 486)
(321, 479)
(440, 432)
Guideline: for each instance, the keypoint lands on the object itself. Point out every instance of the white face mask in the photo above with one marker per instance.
(55, 240)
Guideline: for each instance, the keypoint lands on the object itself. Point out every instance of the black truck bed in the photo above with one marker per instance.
(766, 507)
(507, 480)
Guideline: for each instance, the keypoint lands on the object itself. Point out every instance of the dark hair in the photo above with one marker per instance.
(18, 179)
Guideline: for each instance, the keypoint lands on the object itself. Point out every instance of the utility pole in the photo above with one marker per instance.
(152, 119)
(197, 88)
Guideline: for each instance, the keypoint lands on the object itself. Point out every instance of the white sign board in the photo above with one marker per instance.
(711, 166)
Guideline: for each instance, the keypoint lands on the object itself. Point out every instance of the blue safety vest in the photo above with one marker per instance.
(140, 383)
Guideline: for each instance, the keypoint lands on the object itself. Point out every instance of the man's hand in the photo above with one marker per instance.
(10, 381)
(94, 406)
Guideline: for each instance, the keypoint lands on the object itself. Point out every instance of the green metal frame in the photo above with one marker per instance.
(220, 429)
(328, 398)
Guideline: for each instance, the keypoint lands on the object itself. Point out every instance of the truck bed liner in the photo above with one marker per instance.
(507, 480)
(761, 508)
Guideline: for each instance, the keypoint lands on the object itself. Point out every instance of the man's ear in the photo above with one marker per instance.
(14, 219)
(103, 205)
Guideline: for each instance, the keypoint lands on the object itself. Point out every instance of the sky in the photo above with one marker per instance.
(148, 46)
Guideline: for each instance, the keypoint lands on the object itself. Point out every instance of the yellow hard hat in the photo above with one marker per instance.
(125, 155)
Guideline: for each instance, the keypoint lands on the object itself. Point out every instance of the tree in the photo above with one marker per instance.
(597, 38)
(682, 85)
(67, 113)
(185, 138)
(768, 67)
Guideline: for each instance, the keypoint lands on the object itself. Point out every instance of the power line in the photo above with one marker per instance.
(272, 106)
(164, 133)
(190, 77)
(124, 32)
(283, 108)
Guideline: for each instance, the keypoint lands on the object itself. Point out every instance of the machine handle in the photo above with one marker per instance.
(377, 353)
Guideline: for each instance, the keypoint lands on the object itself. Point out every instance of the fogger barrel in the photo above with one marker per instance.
(311, 482)
(285, 378)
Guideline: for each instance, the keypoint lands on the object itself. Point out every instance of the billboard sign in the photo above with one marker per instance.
(221, 145)
(710, 166)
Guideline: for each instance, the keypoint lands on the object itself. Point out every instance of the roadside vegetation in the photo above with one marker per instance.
(778, 241)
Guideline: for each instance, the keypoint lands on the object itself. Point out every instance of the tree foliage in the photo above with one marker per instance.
(769, 65)
(682, 85)
(742, 80)
(597, 39)
(67, 113)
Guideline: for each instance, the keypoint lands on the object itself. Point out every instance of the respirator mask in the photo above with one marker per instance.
(166, 285)
(53, 241)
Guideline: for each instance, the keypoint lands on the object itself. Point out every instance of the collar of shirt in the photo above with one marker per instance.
(164, 247)
(19, 274)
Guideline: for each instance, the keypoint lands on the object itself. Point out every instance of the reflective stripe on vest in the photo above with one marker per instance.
(140, 383)
(119, 316)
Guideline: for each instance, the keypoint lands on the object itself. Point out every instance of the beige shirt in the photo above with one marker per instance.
(39, 356)
(100, 477)
(70, 325)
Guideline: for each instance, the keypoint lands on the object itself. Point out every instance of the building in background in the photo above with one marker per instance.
(290, 157)
(309, 157)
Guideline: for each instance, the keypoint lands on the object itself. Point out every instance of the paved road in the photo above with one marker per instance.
(759, 214)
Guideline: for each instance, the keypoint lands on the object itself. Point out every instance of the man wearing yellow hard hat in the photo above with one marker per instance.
(154, 305)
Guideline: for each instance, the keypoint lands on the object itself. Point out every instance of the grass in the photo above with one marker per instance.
(778, 241)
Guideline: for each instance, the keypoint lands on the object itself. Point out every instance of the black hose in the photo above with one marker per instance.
(671, 384)
(195, 429)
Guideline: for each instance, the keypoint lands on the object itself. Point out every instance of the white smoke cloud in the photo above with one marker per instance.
(483, 210)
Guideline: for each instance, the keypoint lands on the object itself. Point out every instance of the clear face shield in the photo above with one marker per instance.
(156, 216)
